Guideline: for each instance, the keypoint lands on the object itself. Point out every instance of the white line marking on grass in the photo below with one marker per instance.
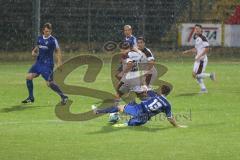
(30, 122)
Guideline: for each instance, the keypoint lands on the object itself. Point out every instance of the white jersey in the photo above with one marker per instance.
(134, 80)
(135, 58)
(148, 56)
(200, 44)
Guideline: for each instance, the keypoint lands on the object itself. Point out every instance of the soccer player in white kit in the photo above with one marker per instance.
(201, 49)
(147, 62)
(130, 75)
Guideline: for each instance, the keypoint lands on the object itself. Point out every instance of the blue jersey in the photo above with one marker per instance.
(151, 93)
(131, 40)
(46, 47)
(157, 104)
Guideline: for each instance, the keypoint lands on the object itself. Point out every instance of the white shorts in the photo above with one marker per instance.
(200, 66)
(132, 79)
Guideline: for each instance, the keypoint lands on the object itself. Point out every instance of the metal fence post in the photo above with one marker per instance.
(89, 26)
(144, 17)
(36, 20)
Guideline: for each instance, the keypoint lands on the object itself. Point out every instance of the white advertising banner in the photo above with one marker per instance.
(213, 32)
(232, 35)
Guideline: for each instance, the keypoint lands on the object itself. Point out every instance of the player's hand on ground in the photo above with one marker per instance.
(182, 126)
(121, 125)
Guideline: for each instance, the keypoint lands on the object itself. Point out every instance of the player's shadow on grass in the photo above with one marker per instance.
(110, 129)
(20, 107)
(186, 94)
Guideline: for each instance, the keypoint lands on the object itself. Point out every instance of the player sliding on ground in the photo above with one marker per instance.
(201, 60)
(46, 45)
(141, 113)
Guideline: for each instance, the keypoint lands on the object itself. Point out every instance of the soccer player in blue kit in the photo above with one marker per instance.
(46, 46)
(129, 37)
(132, 41)
(141, 113)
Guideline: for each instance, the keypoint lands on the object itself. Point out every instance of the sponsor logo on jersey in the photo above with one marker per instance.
(42, 47)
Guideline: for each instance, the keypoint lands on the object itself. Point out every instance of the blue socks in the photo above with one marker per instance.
(108, 110)
(55, 88)
(52, 85)
(30, 88)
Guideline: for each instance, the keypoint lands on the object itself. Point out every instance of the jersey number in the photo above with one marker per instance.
(135, 66)
(155, 105)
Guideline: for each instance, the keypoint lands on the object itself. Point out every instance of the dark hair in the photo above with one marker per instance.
(124, 45)
(165, 90)
(198, 25)
(141, 38)
(47, 25)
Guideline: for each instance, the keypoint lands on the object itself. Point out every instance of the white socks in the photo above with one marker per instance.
(201, 84)
(203, 75)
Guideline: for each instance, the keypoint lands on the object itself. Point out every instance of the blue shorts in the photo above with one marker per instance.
(42, 69)
(139, 116)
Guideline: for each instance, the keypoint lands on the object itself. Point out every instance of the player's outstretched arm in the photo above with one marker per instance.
(193, 50)
(58, 57)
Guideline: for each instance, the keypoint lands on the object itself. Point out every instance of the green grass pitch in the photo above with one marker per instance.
(33, 132)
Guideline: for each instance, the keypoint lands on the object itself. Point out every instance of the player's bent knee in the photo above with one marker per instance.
(29, 77)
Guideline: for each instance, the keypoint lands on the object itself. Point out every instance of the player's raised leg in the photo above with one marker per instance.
(201, 70)
(200, 75)
(47, 74)
(112, 109)
(197, 70)
(212, 76)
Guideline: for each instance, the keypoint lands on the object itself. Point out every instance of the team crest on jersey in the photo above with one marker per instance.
(46, 42)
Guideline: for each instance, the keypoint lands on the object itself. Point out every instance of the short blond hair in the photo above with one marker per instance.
(47, 25)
